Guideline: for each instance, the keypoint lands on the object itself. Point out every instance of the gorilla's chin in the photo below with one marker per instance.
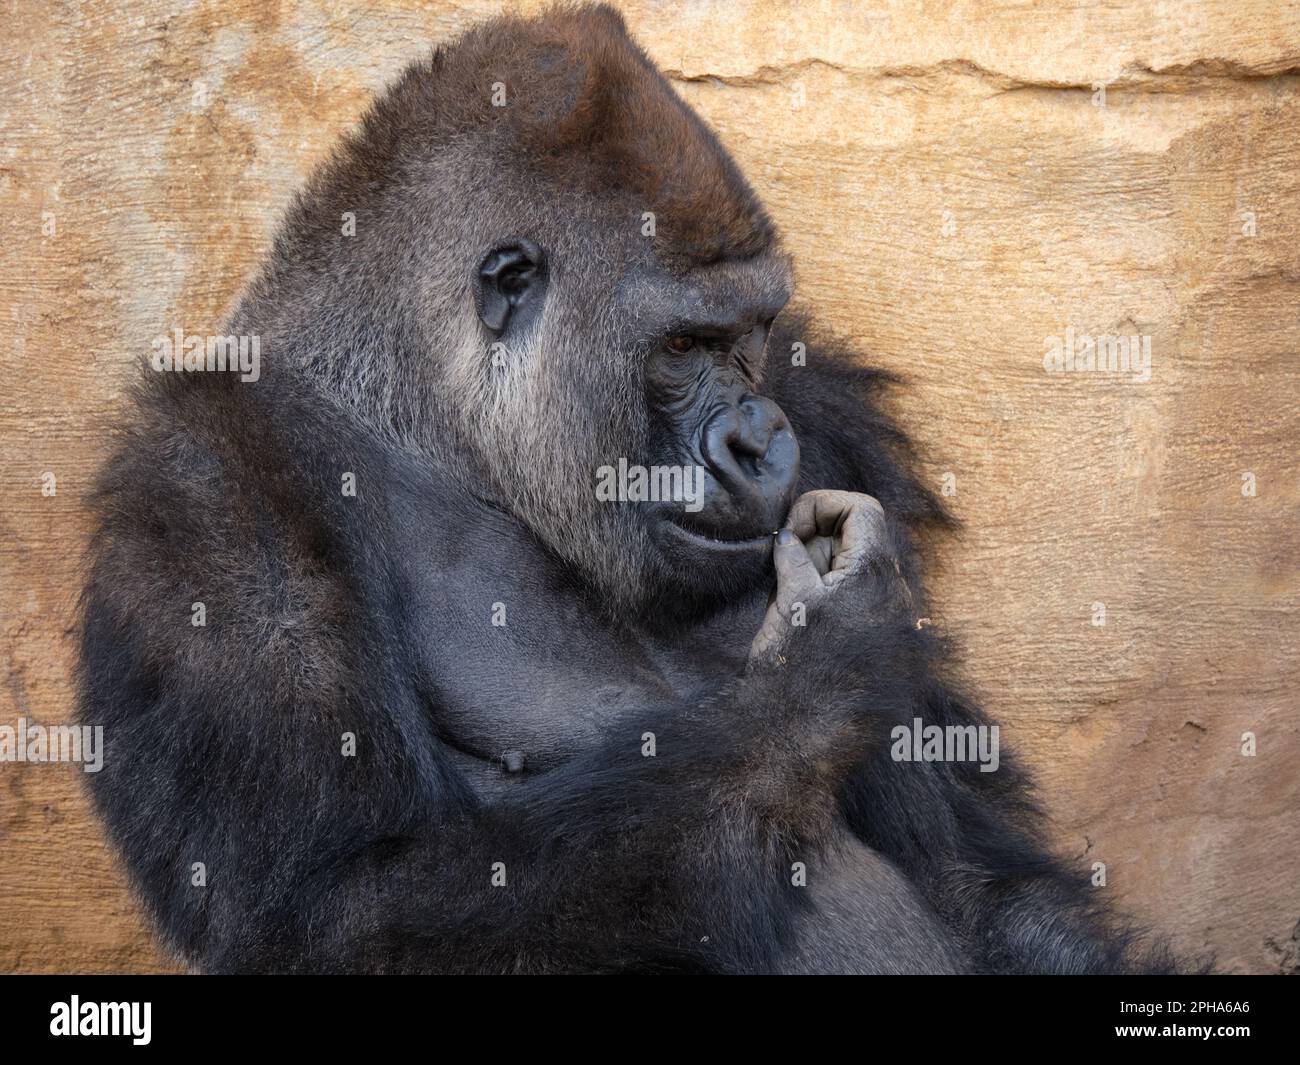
(711, 568)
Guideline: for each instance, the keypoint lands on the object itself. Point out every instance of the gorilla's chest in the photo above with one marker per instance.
(508, 665)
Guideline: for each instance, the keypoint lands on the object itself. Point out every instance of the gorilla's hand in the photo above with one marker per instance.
(837, 659)
(832, 545)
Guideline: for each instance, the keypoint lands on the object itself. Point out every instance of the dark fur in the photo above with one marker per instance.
(329, 614)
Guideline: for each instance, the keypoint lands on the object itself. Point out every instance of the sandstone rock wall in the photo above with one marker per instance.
(960, 183)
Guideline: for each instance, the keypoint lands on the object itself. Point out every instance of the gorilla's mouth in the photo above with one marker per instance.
(674, 530)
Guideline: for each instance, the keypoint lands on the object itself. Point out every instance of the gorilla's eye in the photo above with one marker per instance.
(681, 344)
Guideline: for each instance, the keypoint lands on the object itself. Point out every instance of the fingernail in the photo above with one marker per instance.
(784, 537)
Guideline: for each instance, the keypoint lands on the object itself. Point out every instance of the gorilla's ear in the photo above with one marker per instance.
(510, 279)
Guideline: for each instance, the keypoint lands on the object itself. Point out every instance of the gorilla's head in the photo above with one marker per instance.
(558, 275)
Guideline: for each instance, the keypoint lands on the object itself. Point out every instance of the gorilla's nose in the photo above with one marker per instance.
(753, 461)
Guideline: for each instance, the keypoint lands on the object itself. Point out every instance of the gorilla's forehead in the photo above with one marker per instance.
(570, 98)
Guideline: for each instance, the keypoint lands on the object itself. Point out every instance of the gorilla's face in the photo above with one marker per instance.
(704, 357)
(684, 469)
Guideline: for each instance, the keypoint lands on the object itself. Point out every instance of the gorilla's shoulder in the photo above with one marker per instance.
(207, 499)
(834, 400)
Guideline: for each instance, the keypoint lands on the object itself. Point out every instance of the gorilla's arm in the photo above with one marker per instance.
(614, 861)
(972, 842)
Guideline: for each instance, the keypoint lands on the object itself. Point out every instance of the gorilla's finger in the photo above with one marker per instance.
(861, 534)
(797, 578)
(821, 549)
(821, 513)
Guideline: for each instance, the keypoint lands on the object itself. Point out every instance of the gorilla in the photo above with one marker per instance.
(388, 685)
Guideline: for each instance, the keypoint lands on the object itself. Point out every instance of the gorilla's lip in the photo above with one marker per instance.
(675, 530)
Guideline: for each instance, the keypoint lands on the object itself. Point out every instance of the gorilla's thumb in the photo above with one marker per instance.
(797, 578)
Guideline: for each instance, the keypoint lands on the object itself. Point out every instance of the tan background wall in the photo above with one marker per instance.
(953, 195)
